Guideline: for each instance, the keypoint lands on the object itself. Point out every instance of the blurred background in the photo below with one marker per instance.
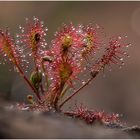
(119, 90)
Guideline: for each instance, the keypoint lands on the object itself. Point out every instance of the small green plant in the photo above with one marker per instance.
(57, 68)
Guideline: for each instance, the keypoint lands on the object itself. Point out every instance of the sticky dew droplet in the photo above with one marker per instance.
(30, 54)
(83, 82)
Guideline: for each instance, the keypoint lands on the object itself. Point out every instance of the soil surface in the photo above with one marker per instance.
(25, 124)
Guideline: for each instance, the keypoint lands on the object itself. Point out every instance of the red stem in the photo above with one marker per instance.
(28, 82)
(93, 75)
(67, 99)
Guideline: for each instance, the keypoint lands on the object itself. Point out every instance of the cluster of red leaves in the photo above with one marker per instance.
(8, 47)
(91, 116)
(57, 68)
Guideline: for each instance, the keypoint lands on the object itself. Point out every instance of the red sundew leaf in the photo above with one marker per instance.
(62, 71)
(66, 39)
(32, 39)
(63, 62)
(8, 48)
(114, 53)
(90, 116)
(91, 39)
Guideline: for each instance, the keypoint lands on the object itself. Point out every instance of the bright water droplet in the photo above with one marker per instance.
(119, 37)
(43, 74)
(26, 19)
(85, 68)
(30, 54)
(46, 29)
(22, 30)
(25, 108)
(20, 27)
(83, 82)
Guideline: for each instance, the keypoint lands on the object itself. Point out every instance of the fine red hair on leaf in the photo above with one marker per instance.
(8, 47)
(90, 116)
(91, 39)
(32, 41)
(58, 69)
(114, 54)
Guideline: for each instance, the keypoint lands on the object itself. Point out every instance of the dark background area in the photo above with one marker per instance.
(119, 91)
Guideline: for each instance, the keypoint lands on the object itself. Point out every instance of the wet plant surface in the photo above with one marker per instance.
(54, 77)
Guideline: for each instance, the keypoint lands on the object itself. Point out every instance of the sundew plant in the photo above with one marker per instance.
(57, 67)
